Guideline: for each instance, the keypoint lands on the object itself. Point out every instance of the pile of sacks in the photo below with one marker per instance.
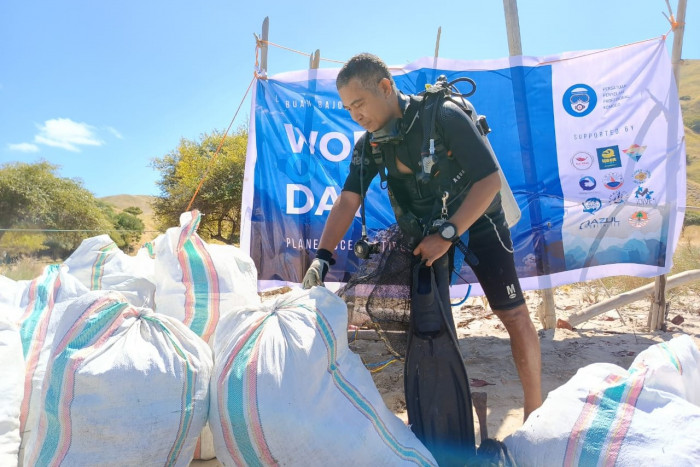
(648, 414)
(167, 356)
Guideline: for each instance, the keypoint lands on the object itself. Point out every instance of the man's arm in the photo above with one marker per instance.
(473, 206)
(339, 220)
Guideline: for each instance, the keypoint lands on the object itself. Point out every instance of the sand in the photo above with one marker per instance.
(486, 348)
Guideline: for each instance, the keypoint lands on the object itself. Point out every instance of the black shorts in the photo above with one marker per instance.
(491, 259)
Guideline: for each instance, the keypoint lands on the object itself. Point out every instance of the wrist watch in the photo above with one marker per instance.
(448, 231)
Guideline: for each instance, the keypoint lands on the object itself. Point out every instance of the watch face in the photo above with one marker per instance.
(448, 231)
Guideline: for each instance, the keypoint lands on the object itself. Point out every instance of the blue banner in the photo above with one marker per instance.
(577, 144)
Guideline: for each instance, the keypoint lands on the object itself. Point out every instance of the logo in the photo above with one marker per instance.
(613, 181)
(582, 160)
(510, 290)
(587, 183)
(617, 197)
(579, 100)
(635, 151)
(643, 196)
(640, 176)
(609, 157)
(599, 223)
(639, 219)
(592, 205)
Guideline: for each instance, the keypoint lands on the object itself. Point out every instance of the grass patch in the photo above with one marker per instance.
(26, 268)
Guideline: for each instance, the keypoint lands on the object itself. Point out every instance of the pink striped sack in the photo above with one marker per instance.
(196, 281)
(123, 386)
(286, 390)
(606, 415)
(100, 265)
(43, 302)
(11, 387)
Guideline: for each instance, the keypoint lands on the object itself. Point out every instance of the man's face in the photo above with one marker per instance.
(371, 108)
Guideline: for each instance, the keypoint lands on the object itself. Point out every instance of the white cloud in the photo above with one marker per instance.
(67, 134)
(115, 132)
(23, 147)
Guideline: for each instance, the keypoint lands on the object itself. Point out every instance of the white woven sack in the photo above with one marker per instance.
(286, 390)
(43, 302)
(11, 291)
(196, 281)
(11, 388)
(100, 265)
(672, 366)
(605, 415)
(123, 386)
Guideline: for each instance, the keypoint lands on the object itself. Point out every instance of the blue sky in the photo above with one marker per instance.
(100, 88)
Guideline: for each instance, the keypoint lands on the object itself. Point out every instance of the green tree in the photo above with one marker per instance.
(219, 198)
(33, 196)
(134, 210)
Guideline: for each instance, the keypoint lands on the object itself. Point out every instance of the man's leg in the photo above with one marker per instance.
(525, 346)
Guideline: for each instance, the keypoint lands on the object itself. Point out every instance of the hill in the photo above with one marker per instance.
(143, 202)
(689, 94)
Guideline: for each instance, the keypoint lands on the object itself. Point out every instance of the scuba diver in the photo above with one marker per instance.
(444, 185)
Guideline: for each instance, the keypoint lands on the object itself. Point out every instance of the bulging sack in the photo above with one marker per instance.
(100, 265)
(11, 388)
(287, 390)
(123, 386)
(608, 415)
(197, 282)
(43, 302)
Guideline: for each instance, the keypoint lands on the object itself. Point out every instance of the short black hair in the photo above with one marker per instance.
(367, 68)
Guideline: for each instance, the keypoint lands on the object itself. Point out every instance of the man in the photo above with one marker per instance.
(368, 92)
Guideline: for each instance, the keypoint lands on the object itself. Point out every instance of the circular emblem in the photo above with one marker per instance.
(587, 183)
(579, 100)
(613, 181)
(592, 205)
(582, 160)
(639, 219)
(641, 176)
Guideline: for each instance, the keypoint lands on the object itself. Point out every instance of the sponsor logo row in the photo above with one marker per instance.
(637, 219)
(608, 157)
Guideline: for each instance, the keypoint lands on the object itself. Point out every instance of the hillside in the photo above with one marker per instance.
(689, 95)
(143, 202)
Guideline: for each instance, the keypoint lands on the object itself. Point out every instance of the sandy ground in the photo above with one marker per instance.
(486, 348)
(615, 337)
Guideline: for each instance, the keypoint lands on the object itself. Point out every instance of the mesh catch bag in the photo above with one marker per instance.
(380, 290)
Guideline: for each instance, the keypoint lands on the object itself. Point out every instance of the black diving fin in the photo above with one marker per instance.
(438, 399)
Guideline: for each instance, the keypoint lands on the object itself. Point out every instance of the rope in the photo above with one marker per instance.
(601, 51)
(260, 42)
(76, 230)
(377, 367)
(221, 143)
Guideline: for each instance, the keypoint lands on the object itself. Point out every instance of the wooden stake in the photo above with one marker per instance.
(657, 312)
(263, 48)
(546, 311)
(628, 297)
(513, 27)
(315, 59)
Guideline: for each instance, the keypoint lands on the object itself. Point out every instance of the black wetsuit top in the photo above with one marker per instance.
(469, 160)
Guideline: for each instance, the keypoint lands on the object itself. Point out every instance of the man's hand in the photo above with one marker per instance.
(316, 273)
(431, 248)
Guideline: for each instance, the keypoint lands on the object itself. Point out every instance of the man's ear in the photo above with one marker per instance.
(385, 87)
